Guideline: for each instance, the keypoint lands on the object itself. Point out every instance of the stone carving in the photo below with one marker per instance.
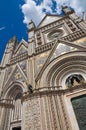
(55, 34)
(75, 79)
(32, 115)
(45, 66)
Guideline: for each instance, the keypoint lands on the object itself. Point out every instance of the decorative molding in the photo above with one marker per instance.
(18, 58)
(44, 48)
(58, 69)
(53, 24)
(65, 118)
(74, 36)
(54, 90)
(32, 114)
(71, 37)
(7, 103)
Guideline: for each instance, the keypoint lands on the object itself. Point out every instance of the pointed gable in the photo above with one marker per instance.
(21, 48)
(49, 19)
(16, 74)
(64, 47)
(58, 50)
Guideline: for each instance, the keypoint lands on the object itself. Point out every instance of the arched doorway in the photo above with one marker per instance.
(79, 106)
(16, 112)
(16, 128)
(12, 116)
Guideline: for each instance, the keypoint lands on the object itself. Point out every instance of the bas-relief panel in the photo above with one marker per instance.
(32, 115)
(54, 33)
(71, 76)
(74, 79)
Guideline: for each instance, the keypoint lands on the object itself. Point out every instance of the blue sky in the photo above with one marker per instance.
(11, 22)
(15, 15)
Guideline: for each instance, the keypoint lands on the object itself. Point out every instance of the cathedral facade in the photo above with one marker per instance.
(43, 81)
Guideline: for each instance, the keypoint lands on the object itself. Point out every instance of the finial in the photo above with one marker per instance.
(13, 39)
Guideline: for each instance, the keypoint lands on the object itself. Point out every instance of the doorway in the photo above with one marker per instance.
(16, 128)
(79, 106)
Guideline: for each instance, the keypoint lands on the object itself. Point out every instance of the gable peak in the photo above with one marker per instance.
(13, 39)
(49, 18)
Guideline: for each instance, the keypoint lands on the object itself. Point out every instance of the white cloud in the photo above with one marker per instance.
(61, 3)
(79, 6)
(35, 12)
(2, 28)
(31, 11)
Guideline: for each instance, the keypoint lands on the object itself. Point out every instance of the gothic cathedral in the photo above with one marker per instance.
(43, 81)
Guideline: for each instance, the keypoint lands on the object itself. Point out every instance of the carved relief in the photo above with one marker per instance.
(66, 125)
(55, 34)
(32, 115)
(74, 79)
(5, 119)
(45, 108)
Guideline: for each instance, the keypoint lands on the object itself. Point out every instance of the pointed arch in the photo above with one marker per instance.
(8, 91)
(61, 66)
(17, 67)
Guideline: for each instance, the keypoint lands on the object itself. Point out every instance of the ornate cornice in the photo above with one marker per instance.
(19, 58)
(54, 90)
(53, 24)
(71, 37)
(44, 47)
(74, 36)
(8, 103)
(40, 92)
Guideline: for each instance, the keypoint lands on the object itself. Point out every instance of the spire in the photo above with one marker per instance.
(84, 16)
(13, 42)
(13, 39)
(31, 25)
(11, 45)
(67, 9)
